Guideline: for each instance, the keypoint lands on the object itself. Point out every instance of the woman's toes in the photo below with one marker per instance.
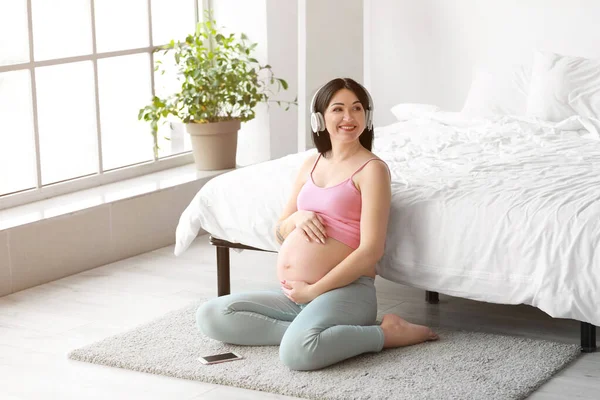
(399, 332)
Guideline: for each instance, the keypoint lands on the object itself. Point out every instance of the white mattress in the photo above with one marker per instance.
(502, 210)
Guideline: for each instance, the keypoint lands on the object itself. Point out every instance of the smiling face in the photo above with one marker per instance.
(345, 116)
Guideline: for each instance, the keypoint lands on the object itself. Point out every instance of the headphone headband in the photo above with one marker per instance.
(314, 98)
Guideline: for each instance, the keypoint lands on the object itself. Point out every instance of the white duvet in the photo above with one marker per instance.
(504, 210)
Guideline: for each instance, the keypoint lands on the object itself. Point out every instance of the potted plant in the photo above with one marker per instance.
(221, 84)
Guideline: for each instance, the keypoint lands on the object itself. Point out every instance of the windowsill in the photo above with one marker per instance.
(105, 194)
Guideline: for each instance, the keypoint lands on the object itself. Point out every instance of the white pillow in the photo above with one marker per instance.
(407, 111)
(563, 86)
(500, 90)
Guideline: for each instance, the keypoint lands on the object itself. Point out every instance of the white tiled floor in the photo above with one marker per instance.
(39, 326)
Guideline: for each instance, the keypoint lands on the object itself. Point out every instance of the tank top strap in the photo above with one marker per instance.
(365, 163)
(314, 165)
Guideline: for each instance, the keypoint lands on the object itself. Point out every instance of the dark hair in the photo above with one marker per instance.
(323, 142)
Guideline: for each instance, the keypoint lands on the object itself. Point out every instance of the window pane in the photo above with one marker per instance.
(121, 24)
(166, 81)
(67, 121)
(172, 137)
(14, 41)
(124, 88)
(172, 20)
(17, 149)
(61, 28)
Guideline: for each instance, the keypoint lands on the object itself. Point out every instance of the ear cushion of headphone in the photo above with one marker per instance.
(317, 122)
(321, 122)
(314, 124)
(369, 119)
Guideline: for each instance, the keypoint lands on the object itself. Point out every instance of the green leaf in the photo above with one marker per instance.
(225, 82)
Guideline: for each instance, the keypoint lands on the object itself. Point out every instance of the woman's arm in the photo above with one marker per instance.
(284, 228)
(286, 224)
(376, 194)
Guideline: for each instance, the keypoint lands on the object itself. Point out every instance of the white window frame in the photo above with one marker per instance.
(101, 177)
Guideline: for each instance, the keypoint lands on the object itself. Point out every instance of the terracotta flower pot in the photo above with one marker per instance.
(214, 144)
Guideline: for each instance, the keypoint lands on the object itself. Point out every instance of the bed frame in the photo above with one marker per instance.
(588, 331)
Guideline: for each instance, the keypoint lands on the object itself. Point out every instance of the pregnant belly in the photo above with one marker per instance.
(300, 260)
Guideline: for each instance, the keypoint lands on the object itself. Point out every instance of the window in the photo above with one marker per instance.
(73, 76)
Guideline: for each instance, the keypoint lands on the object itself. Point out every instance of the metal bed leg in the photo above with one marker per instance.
(588, 337)
(432, 297)
(223, 279)
(223, 246)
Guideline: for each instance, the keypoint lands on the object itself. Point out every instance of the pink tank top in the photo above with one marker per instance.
(339, 206)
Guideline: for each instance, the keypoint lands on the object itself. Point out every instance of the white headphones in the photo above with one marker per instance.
(317, 121)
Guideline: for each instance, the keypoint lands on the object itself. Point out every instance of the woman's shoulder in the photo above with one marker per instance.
(367, 156)
(374, 166)
(308, 163)
(310, 160)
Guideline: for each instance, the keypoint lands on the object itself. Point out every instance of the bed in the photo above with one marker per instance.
(502, 209)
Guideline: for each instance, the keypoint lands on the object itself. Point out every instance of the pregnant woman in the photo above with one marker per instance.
(332, 233)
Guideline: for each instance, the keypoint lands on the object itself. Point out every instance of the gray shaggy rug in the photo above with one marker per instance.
(461, 365)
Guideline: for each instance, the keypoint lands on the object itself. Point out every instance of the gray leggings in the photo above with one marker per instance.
(335, 326)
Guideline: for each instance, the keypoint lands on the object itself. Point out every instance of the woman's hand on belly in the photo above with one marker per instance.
(312, 225)
(300, 260)
(299, 292)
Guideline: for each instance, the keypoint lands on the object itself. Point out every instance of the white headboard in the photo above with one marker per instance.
(424, 51)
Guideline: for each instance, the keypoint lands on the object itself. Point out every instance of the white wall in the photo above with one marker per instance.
(307, 42)
(273, 24)
(330, 45)
(424, 51)
(282, 36)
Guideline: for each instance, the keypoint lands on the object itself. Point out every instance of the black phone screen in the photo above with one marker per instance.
(220, 357)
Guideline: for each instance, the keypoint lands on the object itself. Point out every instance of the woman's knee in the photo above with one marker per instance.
(208, 318)
(297, 352)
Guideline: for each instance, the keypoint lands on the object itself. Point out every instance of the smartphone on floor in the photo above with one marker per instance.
(219, 358)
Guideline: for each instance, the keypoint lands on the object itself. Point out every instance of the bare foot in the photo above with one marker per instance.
(398, 332)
